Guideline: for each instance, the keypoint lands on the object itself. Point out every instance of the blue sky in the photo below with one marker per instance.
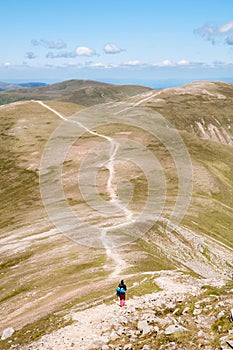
(125, 40)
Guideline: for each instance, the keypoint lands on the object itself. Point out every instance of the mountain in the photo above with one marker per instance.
(10, 86)
(32, 84)
(163, 157)
(85, 92)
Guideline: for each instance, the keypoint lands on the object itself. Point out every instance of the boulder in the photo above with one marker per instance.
(175, 329)
(146, 347)
(220, 314)
(113, 336)
(186, 309)
(105, 347)
(144, 327)
(197, 312)
(7, 333)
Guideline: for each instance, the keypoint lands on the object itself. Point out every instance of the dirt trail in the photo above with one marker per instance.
(113, 256)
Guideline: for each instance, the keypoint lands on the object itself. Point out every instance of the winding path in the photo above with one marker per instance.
(119, 263)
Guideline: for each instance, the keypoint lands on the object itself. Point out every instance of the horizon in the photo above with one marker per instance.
(131, 41)
(154, 84)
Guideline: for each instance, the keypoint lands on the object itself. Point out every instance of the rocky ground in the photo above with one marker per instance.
(186, 313)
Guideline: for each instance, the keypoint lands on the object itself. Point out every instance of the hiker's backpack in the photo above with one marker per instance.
(118, 289)
(122, 290)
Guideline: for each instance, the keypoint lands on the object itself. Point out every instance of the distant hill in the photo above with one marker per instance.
(92, 95)
(10, 86)
(32, 84)
(85, 92)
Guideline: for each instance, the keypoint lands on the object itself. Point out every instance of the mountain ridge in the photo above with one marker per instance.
(86, 92)
(12, 86)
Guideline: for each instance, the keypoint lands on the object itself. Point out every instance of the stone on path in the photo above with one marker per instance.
(175, 329)
(7, 333)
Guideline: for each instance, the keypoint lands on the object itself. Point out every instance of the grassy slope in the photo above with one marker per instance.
(35, 260)
(211, 209)
(24, 131)
(84, 92)
(94, 95)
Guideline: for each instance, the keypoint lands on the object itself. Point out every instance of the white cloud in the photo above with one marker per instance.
(208, 32)
(164, 63)
(60, 44)
(62, 54)
(85, 51)
(6, 64)
(112, 49)
(226, 27)
(214, 33)
(96, 65)
(64, 65)
(132, 63)
(183, 63)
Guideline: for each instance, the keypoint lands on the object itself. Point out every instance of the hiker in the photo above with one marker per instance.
(231, 315)
(121, 290)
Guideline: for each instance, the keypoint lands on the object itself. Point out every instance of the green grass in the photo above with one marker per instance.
(210, 290)
(14, 293)
(151, 259)
(147, 287)
(14, 261)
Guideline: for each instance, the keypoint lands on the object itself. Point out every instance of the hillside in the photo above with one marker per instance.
(202, 113)
(85, 92)
(11, 86)
(136, 185)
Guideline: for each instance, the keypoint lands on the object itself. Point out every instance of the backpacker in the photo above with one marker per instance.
(231, 315)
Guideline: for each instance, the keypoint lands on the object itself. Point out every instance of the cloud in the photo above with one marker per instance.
(30, 55)
(183, 63)
(226, 27)
(133, 63)
(85, 51)
(229, 40)
(60, 44)
(6, 64)
(208, 32)
(96, 65)
(215, 33)
(64, 65)
(112, 49)
(35, 42)
(63, 54)
(164, 63)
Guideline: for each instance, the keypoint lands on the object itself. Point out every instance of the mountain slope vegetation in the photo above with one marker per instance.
(85, 92)
(52, 272)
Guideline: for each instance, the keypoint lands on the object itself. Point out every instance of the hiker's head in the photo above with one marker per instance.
(122, 281)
